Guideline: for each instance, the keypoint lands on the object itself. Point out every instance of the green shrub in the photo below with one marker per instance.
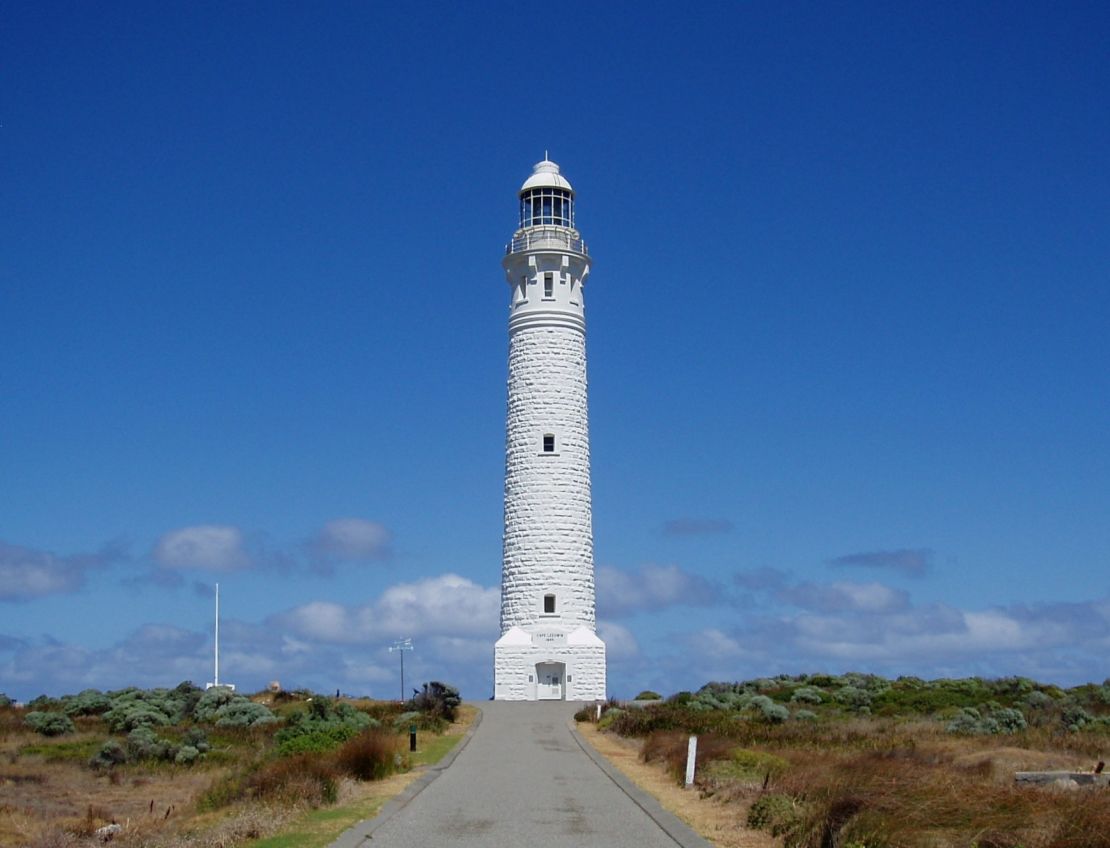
(132, 713)
(852, 697)
(806, 695)
(144, 744)
(5, 701)
(197, 738)
(186, 755)
(648, 695)
(322, 728)
(743, 763)
(437, 699)
(805, 715)
(87, 702)
(49, 724)
(111, 753)
(609, 717)
(778, 814)
(767, 710)
(212, 700)
(243, 713)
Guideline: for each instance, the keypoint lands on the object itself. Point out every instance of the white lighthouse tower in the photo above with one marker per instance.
(548, 647)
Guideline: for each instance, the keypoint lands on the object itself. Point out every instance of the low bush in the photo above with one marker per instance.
(111, 753)
(49, 723)
(779, 814)
(322, 728)
(648, 695)
(372, 755)
(243, 713)
(87, 702)
(437, 699)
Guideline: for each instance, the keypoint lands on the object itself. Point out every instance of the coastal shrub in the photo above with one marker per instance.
(197, 738)
(437, 699)
(648, 695)
(87, 702)
(609, 717)
(144, 744)
(49, 723)
(243, 713)
(767, 710)
(5, 701)
(852, 697)
(371, 755)
(111, 753)
(129, 714)
(323, 727)
(805, 715)
(778, 814)
(806, 695)
(186, 755)
(212, 699)
(971, 722)
(1074, 717)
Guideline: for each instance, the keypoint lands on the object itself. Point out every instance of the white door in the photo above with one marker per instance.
(549, 681)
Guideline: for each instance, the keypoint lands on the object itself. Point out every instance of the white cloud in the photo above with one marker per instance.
(620, 644)
(447, 605)
(845, 596)
(26, 573)
(350, 539)
(210, 547)
(652, 587)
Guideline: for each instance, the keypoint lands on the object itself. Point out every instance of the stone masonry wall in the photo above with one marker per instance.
(548, 541)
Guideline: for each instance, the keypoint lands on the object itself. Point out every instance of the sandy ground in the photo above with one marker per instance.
(722, 824)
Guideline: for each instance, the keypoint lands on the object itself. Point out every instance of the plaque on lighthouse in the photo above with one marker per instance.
(549, 647)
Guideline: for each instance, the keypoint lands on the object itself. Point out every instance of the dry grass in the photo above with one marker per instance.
(880, 783)
(719, 822)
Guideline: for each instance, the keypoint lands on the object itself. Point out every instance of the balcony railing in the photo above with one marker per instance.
(539, 237)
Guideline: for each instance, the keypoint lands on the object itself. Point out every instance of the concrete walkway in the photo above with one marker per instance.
(523, 779)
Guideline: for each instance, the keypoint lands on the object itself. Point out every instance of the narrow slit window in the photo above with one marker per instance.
(549, 443)
(549, 604)
(548, 284)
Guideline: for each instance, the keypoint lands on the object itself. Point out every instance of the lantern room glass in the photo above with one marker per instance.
(546, 206)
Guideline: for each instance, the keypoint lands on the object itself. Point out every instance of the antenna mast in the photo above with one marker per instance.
(217, 678)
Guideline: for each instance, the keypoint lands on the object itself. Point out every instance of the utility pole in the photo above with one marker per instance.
(402, 645)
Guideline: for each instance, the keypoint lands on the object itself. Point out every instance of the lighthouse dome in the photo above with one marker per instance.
(546, 174)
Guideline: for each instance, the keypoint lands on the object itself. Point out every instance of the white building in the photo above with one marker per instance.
(548, 648)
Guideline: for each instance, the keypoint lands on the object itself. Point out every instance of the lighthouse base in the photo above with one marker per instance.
(549, 665)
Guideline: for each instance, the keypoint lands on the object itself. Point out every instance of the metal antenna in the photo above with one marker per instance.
(217, 676)
(402, 645)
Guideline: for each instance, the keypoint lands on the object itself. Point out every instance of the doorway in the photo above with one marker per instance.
(550, 681)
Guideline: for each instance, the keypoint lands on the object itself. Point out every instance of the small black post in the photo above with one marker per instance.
(412, 737)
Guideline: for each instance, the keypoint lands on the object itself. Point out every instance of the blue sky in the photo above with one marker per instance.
(847, 336)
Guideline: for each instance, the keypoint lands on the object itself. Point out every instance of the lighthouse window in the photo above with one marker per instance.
(549, 604)
(549, 443)
(548, 285)
(546, 206)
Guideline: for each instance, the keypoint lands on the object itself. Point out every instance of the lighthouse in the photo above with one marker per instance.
(548, 649)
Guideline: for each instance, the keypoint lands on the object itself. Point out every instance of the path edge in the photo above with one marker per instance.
(357, 834)
(668, 822)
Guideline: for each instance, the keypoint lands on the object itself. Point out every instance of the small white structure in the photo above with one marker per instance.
(548, 647)
(216, 678)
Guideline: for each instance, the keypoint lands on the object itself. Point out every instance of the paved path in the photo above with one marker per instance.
(524, 781)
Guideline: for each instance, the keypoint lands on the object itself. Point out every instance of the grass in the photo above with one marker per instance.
(884, 781)
(319, 828)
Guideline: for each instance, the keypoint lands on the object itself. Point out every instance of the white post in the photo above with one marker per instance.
(691, 756)
(599, 712)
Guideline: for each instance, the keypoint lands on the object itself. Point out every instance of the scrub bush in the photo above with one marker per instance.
(807, 695)
(767, 710)
(186, 755)
(49, 724)
(648, 695)
(243, 713)
(323, 727)
(437, 699)
(111, 753)
(372, 755)
(87, 702)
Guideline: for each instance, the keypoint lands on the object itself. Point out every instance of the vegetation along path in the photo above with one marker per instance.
(524, 779)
